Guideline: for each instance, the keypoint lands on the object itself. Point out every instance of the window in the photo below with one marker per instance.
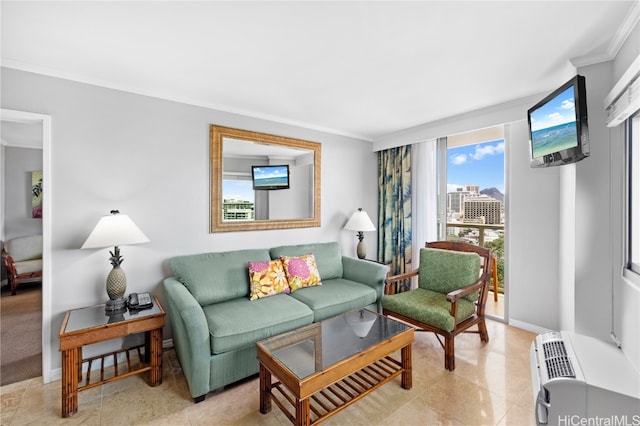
(471, 169)
(237, 200)
(633, 194)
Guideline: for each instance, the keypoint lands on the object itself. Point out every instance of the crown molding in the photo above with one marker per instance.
(616, 44)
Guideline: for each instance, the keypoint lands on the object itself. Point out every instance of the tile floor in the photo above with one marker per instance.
(495, 308)
(491, 385)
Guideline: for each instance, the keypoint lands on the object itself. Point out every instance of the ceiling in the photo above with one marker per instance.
(21, 134)
(361, 69)
(239, 148)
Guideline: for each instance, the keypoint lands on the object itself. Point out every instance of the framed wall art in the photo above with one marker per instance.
(36, 195)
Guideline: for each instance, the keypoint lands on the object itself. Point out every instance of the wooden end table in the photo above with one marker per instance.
(92, 324)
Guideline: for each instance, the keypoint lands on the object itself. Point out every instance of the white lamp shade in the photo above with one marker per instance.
(114, 230)
(361, 322)
(360, 221)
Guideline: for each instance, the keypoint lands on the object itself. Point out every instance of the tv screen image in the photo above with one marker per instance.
(558, 126)
(553, 125)
(270, 177)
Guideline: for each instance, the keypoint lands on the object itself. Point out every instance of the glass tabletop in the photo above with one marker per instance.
(315, 347)
(96, 316)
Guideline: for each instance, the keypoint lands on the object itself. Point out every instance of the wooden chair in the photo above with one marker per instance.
(453, 282)
(22, 257)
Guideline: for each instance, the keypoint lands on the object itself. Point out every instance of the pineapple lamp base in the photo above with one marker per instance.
(116, 283)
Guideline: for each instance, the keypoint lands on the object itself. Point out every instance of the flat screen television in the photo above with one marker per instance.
(270, 177)
(558, 129)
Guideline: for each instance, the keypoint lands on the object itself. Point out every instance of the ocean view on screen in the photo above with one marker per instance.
(270, 176)
(554, 139)
(271, 181)
(553, 125)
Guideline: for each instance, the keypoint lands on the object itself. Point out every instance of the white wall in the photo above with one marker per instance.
(532, 235)
(150, 159)
(567, 247)
(593, 215)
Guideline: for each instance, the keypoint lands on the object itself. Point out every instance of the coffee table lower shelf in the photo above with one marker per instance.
(338, 396)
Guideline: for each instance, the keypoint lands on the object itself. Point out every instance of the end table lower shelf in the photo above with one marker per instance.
(91, 325)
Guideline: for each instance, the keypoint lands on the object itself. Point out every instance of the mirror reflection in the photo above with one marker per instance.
(262, 181)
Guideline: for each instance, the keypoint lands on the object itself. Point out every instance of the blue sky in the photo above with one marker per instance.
(270, 172)
(558, 110)
(480, 164)
(237, 189)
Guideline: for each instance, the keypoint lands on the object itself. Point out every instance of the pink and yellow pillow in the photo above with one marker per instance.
(267, 279)
(301, 271)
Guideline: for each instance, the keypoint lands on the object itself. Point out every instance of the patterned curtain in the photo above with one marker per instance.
(394, 208)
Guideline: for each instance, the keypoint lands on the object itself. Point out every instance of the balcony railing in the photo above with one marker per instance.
(479, 238)
(480, 227)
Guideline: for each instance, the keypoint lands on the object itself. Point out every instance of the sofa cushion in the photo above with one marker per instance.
(267, 279)
(411, 304)
(301, 271)
(240, 323)
(328, 257)
(216, 277)
(28, 266)
(335, 296)
(24, 248)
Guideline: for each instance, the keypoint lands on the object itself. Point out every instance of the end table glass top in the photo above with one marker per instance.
(317, 346)
(96, 316)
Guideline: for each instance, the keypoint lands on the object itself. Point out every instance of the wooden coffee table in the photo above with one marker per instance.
(325, 367)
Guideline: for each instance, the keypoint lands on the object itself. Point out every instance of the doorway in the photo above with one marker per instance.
(25, 123)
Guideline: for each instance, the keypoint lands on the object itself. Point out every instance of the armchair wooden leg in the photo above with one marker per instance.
(449, 353)
(484, 335)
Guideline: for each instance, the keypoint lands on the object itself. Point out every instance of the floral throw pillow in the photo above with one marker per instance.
(301, 271)
(267, 279)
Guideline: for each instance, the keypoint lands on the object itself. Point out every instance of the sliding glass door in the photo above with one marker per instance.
(471, 198)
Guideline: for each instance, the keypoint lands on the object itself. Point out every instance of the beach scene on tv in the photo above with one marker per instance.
(553, 125)
(271, 177)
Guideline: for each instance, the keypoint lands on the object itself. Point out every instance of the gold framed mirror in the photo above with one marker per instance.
(261, 181)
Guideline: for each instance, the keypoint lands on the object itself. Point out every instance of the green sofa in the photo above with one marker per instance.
(215, 325)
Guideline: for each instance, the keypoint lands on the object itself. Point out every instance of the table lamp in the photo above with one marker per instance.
(360, 223)
(115, 230)
(361, 322)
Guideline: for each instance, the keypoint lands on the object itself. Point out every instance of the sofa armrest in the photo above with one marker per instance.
(190, 335)
(366, 272)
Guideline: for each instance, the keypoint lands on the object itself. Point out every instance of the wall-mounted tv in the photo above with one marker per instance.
(558, 129)
(270, 177)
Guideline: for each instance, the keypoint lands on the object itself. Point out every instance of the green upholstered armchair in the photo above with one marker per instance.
(453, 281)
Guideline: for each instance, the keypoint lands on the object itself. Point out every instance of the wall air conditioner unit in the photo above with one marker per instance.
(577, 379)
